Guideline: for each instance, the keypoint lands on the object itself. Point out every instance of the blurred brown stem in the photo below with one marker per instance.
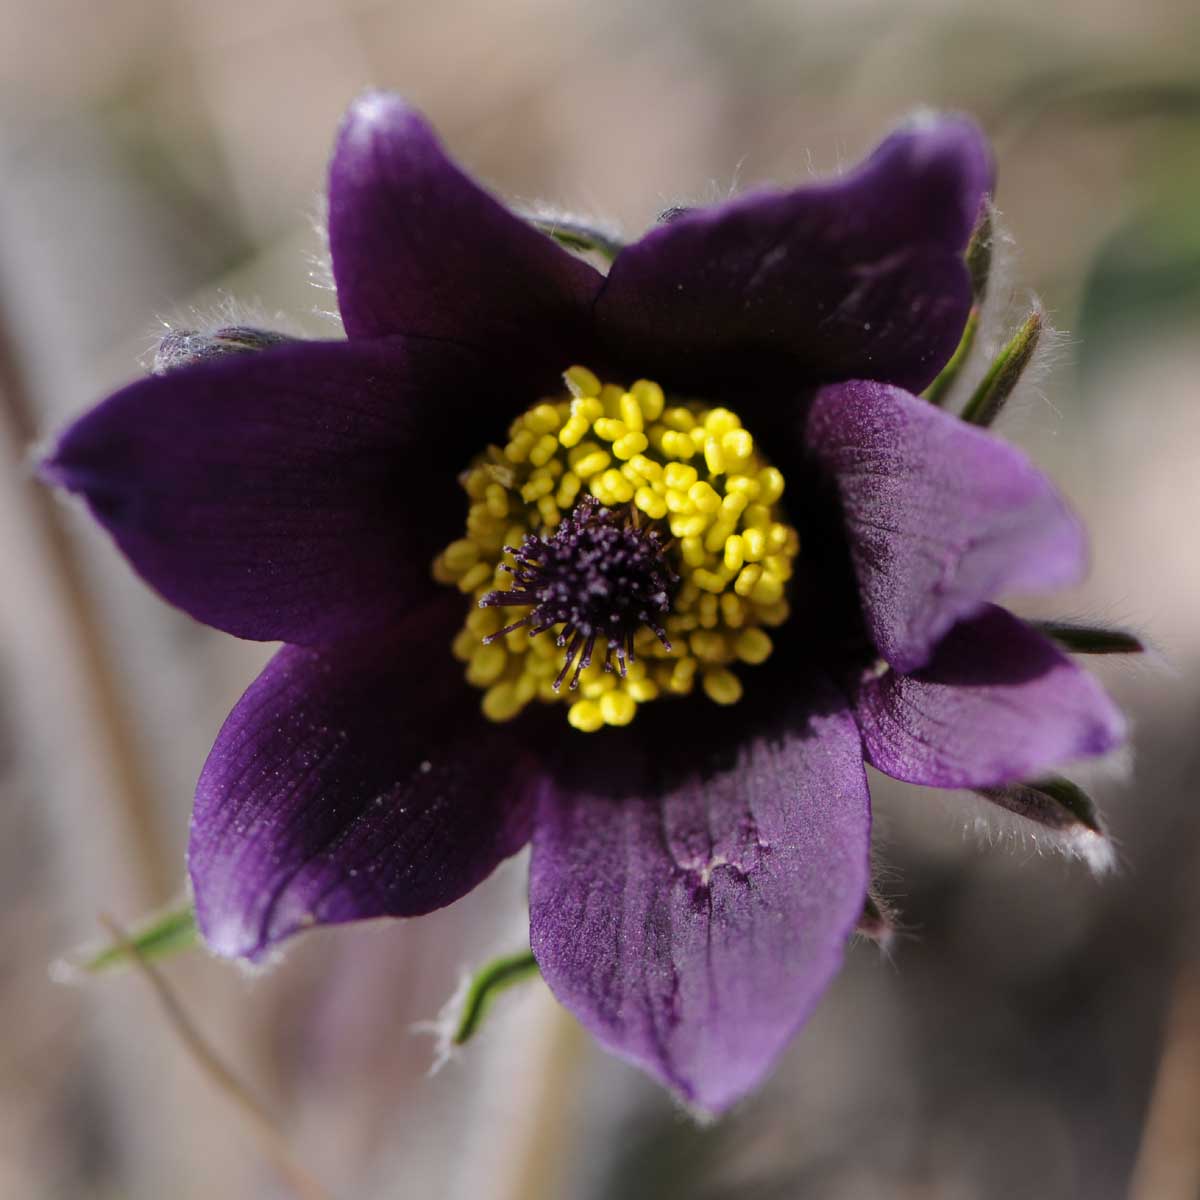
(266, 1133)
(1168, 1162)
(154, 879)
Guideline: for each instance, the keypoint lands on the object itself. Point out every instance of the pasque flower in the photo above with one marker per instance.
(744, 558)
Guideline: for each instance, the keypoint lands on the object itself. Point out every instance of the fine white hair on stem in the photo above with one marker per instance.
(1005, 307)
(998, 309)
(1055, 347)
(445, 1025)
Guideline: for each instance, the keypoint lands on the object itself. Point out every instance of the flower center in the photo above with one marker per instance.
(600, 577)
(637, 545)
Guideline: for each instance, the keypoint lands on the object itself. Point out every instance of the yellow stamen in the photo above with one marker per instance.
(722, 686)
(697, 470)
(585, 715)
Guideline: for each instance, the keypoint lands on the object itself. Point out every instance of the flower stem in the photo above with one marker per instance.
(108, 709)
(268, 1135)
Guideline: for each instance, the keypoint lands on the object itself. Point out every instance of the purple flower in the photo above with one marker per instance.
(696, 872)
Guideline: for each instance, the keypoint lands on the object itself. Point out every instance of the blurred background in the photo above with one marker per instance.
(1034, 1031)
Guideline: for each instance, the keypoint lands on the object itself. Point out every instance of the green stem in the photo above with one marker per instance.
(939, 389)
(160, 936)
(492, 979)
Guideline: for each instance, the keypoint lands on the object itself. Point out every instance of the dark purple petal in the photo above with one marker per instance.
(420, 248)
(352, 782)
(857, 277)
(691, 905)
(997, 704)
(941, 517)
(295, 494)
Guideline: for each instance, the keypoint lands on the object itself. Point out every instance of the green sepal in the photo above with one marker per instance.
(1004, 374)
(578, 234)
(939, 389)
(161, 935)
(979, 257)
(1090, 639)
(485, 985)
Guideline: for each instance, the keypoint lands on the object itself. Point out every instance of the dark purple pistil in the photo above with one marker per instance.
(601, 575)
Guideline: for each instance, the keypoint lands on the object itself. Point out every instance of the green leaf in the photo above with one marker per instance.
(487, 983)
(1004, 374)
(167, 932)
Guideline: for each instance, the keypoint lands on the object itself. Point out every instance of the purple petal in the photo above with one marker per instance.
(419, 248)
(690, 907)
(296, 494)
(941, 516)
(857, 277)
(997, 704)
(349, 783)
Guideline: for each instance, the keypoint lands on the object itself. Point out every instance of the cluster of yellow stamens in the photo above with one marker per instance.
(690, 468)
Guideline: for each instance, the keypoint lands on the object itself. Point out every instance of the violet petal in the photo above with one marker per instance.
(690, 906)
(296, 494)
(941, 517)
(860, 276)
(352, 782)
(998, 703)
(419, 248)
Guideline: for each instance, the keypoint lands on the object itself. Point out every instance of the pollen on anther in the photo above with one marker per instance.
(609, 492)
